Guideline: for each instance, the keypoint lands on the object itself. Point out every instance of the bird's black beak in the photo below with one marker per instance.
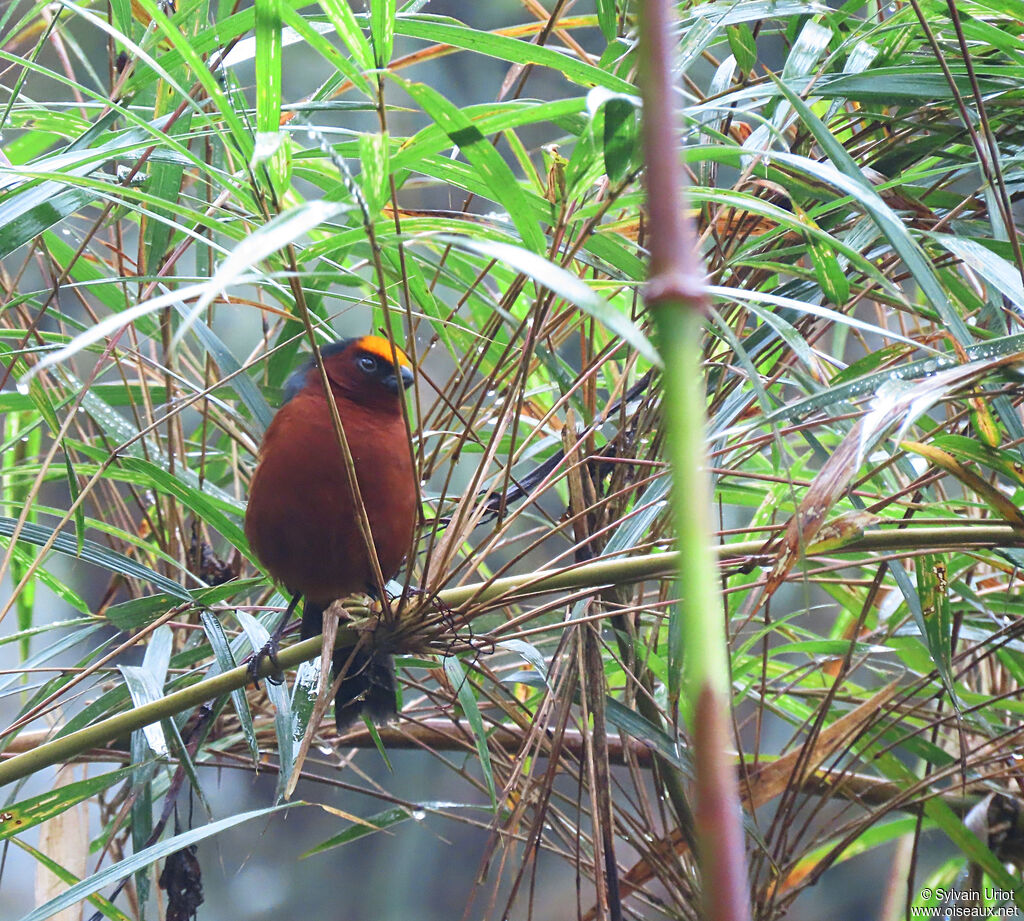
(404, 376)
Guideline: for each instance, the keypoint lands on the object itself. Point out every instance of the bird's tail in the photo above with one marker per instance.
(367, 688)
(369, 683)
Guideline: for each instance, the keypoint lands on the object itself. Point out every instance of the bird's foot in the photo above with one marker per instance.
(269, 651)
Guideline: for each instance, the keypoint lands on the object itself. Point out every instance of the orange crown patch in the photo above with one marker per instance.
(382, 348)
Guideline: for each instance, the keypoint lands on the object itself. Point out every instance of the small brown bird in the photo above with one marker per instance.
(301, 521)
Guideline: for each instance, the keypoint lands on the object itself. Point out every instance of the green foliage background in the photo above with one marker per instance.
(188, 194)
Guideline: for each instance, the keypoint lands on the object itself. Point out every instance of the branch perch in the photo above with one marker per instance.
(507, 591)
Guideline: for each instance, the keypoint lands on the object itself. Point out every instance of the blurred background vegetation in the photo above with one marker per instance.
(189, 191)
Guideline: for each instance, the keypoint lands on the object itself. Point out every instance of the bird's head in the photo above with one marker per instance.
(366, 369)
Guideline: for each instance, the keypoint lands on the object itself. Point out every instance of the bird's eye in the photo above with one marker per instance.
(368, 364)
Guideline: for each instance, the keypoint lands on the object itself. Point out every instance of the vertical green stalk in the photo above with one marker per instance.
(698, 650)
(698, 656)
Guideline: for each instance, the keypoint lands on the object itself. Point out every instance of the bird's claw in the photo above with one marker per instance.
(269, 651)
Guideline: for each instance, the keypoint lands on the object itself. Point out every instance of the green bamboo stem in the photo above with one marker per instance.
(699, 674)
(67, 747)
(697, 634)
(602, 572)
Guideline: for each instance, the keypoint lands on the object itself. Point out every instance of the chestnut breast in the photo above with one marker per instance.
(301, 521)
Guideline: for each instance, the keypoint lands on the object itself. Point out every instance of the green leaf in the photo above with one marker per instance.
(828, 269)
(621, 142)
(164, 182)
(607, 19)
(641, 729)
(208, 509)
(144, 690)
(384, 820)
(934, 619)
(93, 553)
(446, 31)
(334, 57)
(378, 822)
(305, 691)
(382, 31)
(19, 817)
(846, 175)
(277, 233)
(231, 369)
(811, 43)
(271, 148)
(938, 811)
(258, 636)
(344, 21)
(530, 654)
(373, 155)
(144, 858)
(467, 700)
(502, 185)
(105, 906)
(564, 284)
(743, 46)
(225, 662)
(140, 612)
(268, 65)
